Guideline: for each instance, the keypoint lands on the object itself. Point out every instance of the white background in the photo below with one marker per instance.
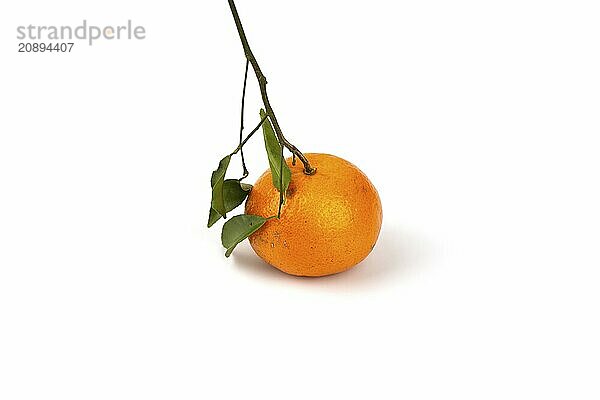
(478, 122)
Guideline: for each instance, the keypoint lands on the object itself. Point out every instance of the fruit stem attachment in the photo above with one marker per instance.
(262, 83)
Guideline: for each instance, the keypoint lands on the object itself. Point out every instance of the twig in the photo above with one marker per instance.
(249, 136)
(242, 123)
(262, 83)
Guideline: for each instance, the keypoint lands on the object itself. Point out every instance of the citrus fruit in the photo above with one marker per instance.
(329, 222)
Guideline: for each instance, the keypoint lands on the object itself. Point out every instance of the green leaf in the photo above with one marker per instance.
(239, 228)
(213, 217)
(274, 153)
(234, 194)
(216, 181)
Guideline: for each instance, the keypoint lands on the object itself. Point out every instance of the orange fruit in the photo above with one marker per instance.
(329, 222)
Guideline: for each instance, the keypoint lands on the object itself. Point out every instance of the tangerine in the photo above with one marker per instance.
(330, 221)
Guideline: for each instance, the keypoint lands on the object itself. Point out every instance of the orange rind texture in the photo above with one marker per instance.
(330, 221)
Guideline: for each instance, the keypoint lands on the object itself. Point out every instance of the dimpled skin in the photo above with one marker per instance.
(329, 222)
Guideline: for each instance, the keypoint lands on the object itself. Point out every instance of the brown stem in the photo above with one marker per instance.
(243, 142)
(245, 170)
(262, 83)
